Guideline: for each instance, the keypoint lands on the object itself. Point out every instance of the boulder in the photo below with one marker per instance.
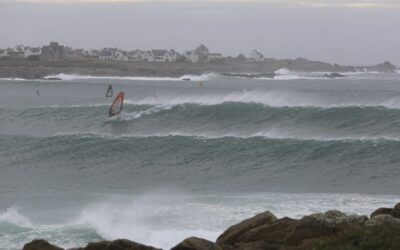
(120, 244)
(395, 212)
(382, 210)
(382, 232)
(40, 244)
(231, 235)
(321, 225)
(275, 232)
(258, 245)
(123, 244)
(100, 245)
(194, 243)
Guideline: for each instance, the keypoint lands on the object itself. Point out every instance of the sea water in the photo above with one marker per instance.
(190, 158)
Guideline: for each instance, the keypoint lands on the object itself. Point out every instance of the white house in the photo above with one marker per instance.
(191, 56)
(120, 56)
(137, 55)
(111, 54)
(107, 54)
(214, 57)
(172, 56)
(256, 56)
(92, 53)
(148, 56)
(156, 55)
(202, 55)
(159, 55)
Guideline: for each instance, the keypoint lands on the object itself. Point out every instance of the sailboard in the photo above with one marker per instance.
(117, 105)
(109, 91)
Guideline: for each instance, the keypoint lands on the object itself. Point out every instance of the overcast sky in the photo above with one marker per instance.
(358, 32)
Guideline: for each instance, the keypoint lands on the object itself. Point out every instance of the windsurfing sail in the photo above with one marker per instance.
(117, 104)
(109, 91)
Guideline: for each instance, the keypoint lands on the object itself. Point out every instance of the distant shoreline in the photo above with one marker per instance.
(40, 69)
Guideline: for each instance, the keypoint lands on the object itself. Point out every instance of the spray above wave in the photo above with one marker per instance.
(72, 77)
(13, 79)
(286, 74)
(269, 98)
(272, 98)
(16, 230)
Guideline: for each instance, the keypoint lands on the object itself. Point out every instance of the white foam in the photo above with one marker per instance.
(23, 231)
(14, 79)
(156, 220)
(268, 98)
(285, 74)
(271, 98)
(138, 114)
(77, 105)
(283, 71)
(12, 215)
(272, 134)
(72, 77)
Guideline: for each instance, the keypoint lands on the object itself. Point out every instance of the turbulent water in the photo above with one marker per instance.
(188, 157)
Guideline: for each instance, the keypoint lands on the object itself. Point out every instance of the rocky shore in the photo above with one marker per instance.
(40, 69)
(331, 230)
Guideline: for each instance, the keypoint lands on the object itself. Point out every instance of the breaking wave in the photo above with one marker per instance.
(268, 98)
(72, 77)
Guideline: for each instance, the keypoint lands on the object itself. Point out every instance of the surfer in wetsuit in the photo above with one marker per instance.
(109, 91)
(37, 92)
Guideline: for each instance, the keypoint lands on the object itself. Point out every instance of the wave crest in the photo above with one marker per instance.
(72, 77)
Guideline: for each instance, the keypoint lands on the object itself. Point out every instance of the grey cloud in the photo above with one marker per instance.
(334, 34)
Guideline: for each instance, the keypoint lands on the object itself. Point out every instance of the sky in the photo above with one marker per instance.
(352, 32)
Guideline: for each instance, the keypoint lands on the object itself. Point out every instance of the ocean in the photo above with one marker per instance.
(190, 158)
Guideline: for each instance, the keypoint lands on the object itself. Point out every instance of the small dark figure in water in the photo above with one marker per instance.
(109, 91)
(37, 92)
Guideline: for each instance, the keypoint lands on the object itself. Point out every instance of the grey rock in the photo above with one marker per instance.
(40, 244)
(194, 243)
(231, 235)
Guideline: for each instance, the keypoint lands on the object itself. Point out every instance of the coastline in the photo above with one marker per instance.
(40, 69)
(323, 231)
